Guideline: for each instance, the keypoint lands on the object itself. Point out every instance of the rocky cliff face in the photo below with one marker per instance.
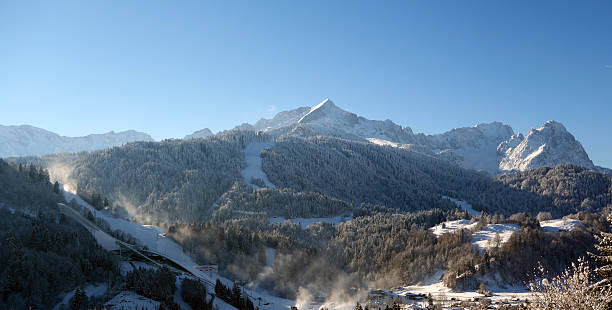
(549, 145)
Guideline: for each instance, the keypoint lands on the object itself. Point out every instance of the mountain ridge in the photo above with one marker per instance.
(493, 147)
(27, 140)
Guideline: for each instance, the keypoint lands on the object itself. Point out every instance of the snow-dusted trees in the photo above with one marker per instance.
(604, 259)
(570, 188)
(573, 289)
(242, 201)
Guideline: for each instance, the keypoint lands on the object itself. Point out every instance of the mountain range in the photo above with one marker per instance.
(491, 147)
(27, 140)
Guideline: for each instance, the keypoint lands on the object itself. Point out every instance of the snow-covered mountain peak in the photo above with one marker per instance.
(495, 130)
(328, 112)
(549, 145)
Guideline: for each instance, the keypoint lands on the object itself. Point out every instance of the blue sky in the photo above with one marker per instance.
(170, 68)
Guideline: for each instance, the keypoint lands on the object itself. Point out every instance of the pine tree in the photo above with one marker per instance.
(56, 188)
(604, 259)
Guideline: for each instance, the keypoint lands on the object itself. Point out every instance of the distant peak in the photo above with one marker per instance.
(552, 124)
(326, 107)
(325, 103)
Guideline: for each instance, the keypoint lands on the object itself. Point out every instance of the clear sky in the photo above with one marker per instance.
(169, 68)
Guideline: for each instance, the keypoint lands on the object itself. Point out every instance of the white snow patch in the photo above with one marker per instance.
(560, 225)
(383, 142)
(451, 226)
(252, 156)
(131, 301)
(464, 205)
(484, 238)
(312, 220)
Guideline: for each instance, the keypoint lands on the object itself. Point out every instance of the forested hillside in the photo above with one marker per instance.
(43, 253)
(177, 180)
(395, 178)
(173, 180)
(569, 187)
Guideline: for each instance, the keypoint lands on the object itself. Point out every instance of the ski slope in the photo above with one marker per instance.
(464, 205)
(252, 156)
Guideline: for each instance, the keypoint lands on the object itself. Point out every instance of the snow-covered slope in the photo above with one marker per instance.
(560, 225)
(486, 237)
(203, 133)
(547, 146)
(471, 147)
(27, 140)
(280, 120)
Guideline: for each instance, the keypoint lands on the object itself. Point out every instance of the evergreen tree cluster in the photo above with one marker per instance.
(234, 296)
(157, 284)
(193, 293)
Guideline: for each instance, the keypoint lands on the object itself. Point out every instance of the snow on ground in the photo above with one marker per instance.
(252, 156)
(433, 285)
(451, 226)
(382, 142)
(485, 237)
(560, 224)
(154, 238)
(308, 221)
(464, 205)
(131, 301)
(90, 290)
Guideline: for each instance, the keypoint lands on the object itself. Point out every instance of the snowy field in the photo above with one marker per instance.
(464, 205)
(485, 238)
(382, 142)
(451, 226)
(252, 156)
(560, 225)
(308, 221)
